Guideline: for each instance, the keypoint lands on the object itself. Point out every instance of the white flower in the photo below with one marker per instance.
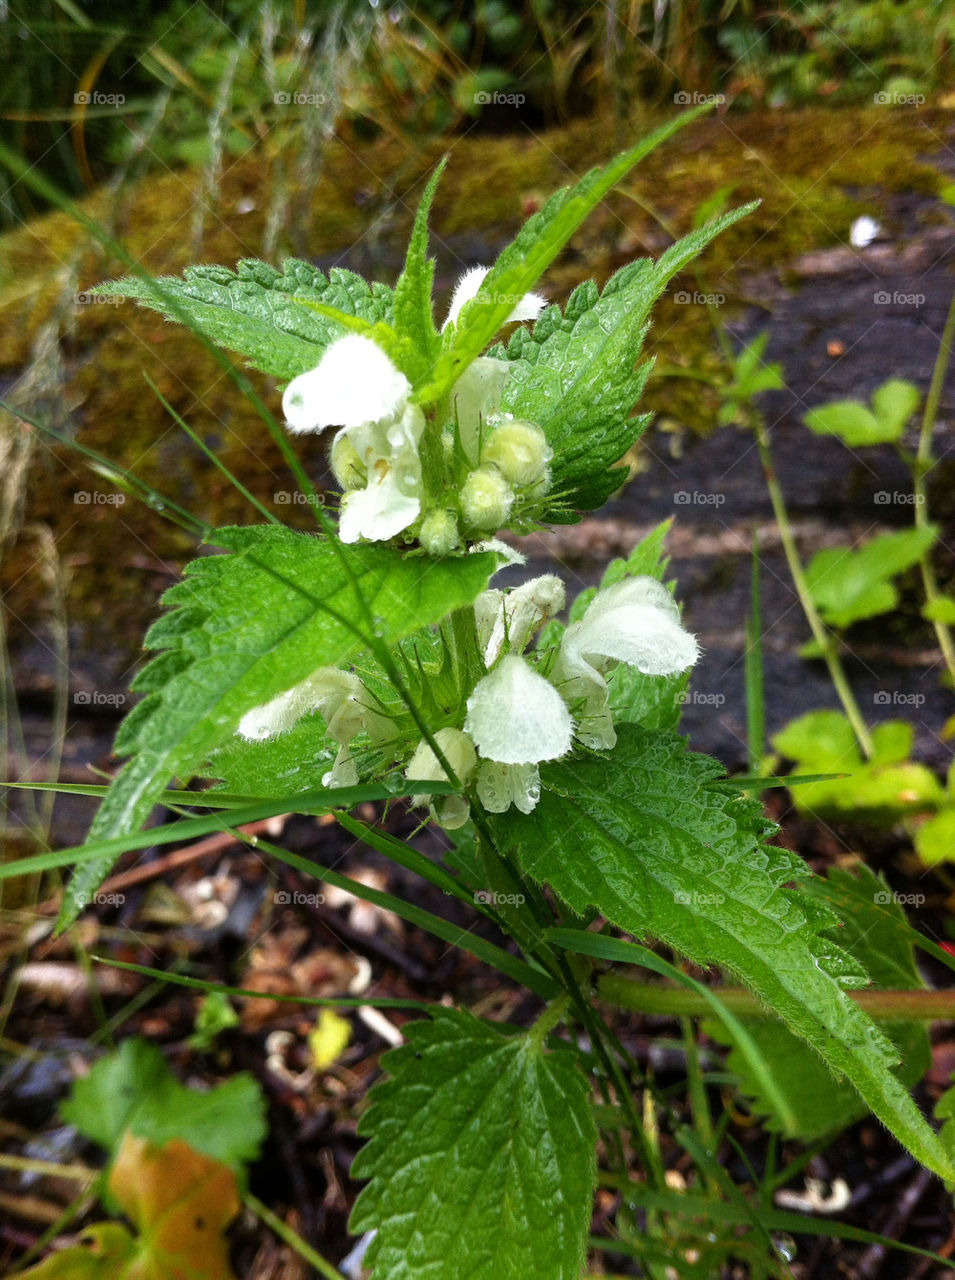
(449, 811)
(357, 388)
(516, 717)
(353, 383)
(635, 621)
(341, 700)
(514, 616)
(508, 554)
(501, 785)
(469, 286)
(392, 498)
(863, 231)
(474, 398)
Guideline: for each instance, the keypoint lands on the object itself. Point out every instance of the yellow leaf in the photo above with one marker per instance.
(180, 1202)
(328, 1039)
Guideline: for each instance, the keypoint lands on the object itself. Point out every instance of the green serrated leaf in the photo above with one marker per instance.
(282, 766)
(649, 841)
(574, 373)
(134, 1089)
(849, 585)
(481, 1157)
(874, 931)
(251, 624)
(940, 609)
(414, 315)
(935, 839)
(264, 314)
(529, 255)
(878, 790)
(852, 422)
(892, 405)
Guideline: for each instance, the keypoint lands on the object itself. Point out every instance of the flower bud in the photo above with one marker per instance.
(451, 811)
(519, 450)
(439, 533)
(486, 499)
(346, 464)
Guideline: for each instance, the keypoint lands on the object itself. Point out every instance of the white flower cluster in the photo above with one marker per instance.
(376, 453)
(518, 717)
(522, 712)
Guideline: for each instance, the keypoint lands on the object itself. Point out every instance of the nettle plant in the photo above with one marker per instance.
(374, 660)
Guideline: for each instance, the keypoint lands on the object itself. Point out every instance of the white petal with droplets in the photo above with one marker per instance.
(516, 717)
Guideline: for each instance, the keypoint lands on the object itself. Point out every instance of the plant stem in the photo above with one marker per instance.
(291, 1238)
(672, 1001)
(923, 465)
(821, 634)
(555, 1012)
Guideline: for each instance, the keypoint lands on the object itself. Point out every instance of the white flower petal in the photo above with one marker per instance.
(585, 691)
(474, 397)
(336, 695)
(458, 750)
(466, 288)
(452, 811)
(516, 717)
(511, 556)
(353, 383)
(388, 450)
(378, 512)
(469, 286)
(635, 621)
(863, 231)
(501, 785)
(514, 616)
(529, 308)
(344, 772)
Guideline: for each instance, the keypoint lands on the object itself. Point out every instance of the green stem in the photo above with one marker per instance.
(291, 1238)
(823, 637)
(554, 1013)
(672, 1001)
(923, 465)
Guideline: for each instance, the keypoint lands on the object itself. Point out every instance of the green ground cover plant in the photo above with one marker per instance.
(374, 659)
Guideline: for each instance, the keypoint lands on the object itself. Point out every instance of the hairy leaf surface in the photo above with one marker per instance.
(242, 628)
(481, 1157)
(661, 849)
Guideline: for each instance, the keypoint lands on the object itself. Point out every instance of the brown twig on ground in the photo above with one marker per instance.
(173, 861)
(870, 1264)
